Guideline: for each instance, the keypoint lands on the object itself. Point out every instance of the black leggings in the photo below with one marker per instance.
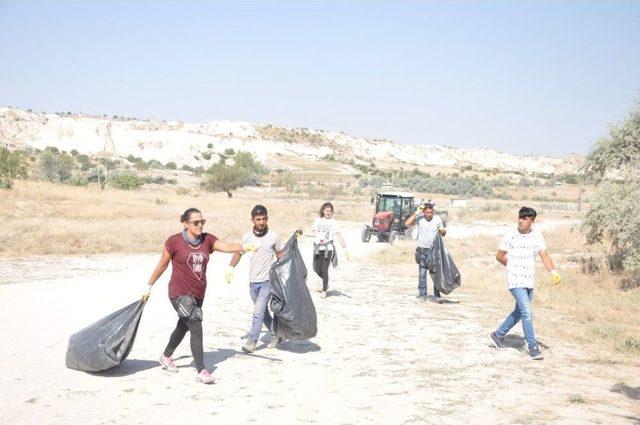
(321, 263)
(184, 325)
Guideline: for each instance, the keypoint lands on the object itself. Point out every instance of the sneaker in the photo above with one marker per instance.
(421, 298)
(438, 300)
(323, 294)
(249, 346)
(497, 342)
(535, 354)
(205, 377)
(275, 340)
(167, 364)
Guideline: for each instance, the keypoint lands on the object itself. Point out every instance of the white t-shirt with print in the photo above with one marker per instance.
(325, 230)
(522, 249)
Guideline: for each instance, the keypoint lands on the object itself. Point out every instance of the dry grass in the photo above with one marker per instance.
(43, 219)
(588, 309)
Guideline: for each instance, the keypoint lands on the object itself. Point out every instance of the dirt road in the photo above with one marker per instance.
(379, 357)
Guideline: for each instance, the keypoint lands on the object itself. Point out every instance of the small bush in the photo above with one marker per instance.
(126, 181)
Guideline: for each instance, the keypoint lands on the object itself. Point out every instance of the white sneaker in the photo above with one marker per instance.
(205, 377)
(323, 294)
(167, 364)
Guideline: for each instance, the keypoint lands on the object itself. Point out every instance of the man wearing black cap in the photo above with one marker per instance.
(268, 248)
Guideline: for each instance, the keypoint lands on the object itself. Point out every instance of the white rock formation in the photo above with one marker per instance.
(181, 142)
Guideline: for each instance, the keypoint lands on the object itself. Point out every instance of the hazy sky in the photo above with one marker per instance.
(522, 77)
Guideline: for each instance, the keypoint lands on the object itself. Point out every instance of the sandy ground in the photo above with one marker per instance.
(379, 356)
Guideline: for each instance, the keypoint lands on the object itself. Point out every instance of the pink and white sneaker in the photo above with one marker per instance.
(205, 377)
(167, 364)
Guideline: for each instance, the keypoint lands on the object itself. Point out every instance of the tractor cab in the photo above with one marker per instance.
(392, 211)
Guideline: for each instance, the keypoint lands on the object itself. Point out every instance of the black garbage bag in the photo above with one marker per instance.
(107, 342)
(447, 276)
(293, 310)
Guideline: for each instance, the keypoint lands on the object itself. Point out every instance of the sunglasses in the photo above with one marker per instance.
(198, 222)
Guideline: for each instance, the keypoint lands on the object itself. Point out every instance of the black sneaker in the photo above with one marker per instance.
(497, 342)
(438, 300)
(535, 354)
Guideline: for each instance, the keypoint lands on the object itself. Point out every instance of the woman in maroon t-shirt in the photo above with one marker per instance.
(188, 253)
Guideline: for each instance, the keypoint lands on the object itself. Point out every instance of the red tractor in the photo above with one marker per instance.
(392, 211)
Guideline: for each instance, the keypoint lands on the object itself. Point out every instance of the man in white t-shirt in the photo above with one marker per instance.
(429, 225)
(518, 251)
(268, 248)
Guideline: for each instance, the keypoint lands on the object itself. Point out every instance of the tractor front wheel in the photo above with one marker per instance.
(366, 235)
(393, 237)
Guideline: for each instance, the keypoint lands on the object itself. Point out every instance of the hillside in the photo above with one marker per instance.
(277, 146)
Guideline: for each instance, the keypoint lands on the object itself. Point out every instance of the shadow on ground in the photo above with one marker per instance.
(127, 367)
(299, 347)
(631, 392)
(336, 293)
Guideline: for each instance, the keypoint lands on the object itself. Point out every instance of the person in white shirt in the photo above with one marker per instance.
(518, 251)
(429, 225)
(325, 231)
(268, 248)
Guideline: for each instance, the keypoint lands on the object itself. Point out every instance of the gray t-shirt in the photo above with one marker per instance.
(264, 256)
(427, 230)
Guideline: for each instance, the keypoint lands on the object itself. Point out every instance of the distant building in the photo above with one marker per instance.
(458, 203)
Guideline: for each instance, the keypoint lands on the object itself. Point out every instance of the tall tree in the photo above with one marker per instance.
(613, 217)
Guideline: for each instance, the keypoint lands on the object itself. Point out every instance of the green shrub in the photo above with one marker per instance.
(12, 166)
(126, 181)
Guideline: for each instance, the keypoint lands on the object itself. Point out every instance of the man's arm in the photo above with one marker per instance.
(501, 256)
(442, 229)
(412, 218)
(546, 260)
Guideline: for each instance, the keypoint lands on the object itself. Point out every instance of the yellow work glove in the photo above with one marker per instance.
(346, 254)
(228, 275)
(555, 277)
(145, 296)
(249, 247)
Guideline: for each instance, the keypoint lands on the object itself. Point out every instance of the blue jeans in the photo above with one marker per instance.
(422, 282)
(260, 294)
(522, 311)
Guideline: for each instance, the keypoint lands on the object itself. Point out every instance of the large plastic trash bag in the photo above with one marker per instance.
(107, 342)
(447, 276)
(293, 310)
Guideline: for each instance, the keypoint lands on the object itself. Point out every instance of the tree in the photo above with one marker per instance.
(286, 180)
(48, 166)
(12, 165)
(224, 177)
(171, 165)
(614, 166)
